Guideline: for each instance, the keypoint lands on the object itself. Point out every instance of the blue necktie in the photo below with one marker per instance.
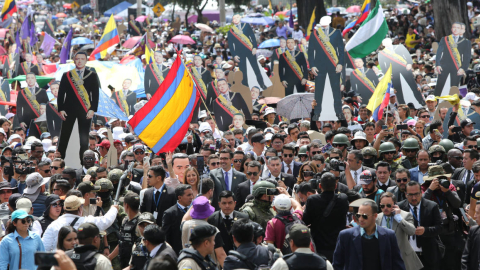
(226, 181)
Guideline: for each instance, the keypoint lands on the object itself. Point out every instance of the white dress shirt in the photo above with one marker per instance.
(356, 179)
(413, 242)
(285, 167)
(251, 185)
(230, 177)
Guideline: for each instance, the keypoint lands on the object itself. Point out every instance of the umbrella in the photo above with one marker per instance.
(182, 39)
(41, 80)
(296, 106)
(3, 32)
(78, 26)
(86, 47)
(269, 43)
(269, 100)
(131, 42)
(61, 15)
(204, 27)
(67, 6)
(70, 21)
(141, 18)
(354, 9)
(118, 18)
(81, 40)
(264, 52)
(257, 19)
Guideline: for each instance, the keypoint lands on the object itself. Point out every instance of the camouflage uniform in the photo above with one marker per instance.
(258, 210)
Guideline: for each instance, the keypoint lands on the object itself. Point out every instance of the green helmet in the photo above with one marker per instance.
(260, 188)
(340, 139)
(114, 175)
(303, 150)
(104, 183)
(447, 144)
(387, 147)
(92, 171)
(436, 148)
(369, 151)
(411, 143)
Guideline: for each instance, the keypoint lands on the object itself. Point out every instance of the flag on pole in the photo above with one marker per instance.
(163, 122)
(108, 108)
(270, 7)
(381, 96)
(109, 38)
(370, 34)
(67, 44)
(9, 7)
(149, 55)
(312, 21)
(48, 44)
(365, 10)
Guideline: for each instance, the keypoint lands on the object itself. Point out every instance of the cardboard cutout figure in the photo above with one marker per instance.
(36, 128)
(402, 79)
(77, 102)
(125, 98)
(303, 47)
(293, 69)
(27, 66)
(28, 108)
(452, 60)
(50, 26)
(11, 65)
(155, 73)
(238, 87)
(212, 88)
(474, 116)
(238, 121)
(54, 90)
(54, 120)
(326, 55)
(243, 47)
(202, 78)
(277, 89)
(39, 64)
(4, 96)
(227, 104)
(279, 51)
(255, 93)
(363, 80)
(39, 94)
(134, 27)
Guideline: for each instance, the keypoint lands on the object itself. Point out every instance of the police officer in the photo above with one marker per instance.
(128, 235)
(197, 257)
(410, 148)
(85, 255)
(260, 208)
(387, 153)
(140, 253)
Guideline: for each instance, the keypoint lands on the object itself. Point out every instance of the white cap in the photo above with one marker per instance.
(268, 136)
(471, 96)
(202, 114)
(205, 126)
(117, 131)
(325, 20)
(469, 4)
(13, 137)
(282, 202)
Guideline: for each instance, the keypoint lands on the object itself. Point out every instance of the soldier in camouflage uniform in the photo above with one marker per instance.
(437, 154)
(387, 153)
(260, 208)
(105, 193)
(115, 175)
(369, 156)
(93, 174)
(410, 148)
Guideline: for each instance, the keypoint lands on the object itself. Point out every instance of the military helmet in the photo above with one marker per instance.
(104, 183)
(261, 187)
(302, 150)
(435, 149)
(340, 139)
(115, 175)
(411, 143)
(369, 151)
(447, 144)
(92, 171)
(387, 147)
(476, 68)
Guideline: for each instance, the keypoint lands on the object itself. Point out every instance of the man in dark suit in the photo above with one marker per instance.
(225, 177)
(293, 69)
(27, 66)
(227, 104)
(245, 188)
(125, 98)
(289, 166)
(367, 246)
(172, 217)
(40, 94)
(402, 177)
(428, 223)
(202, 78)
(471, 253)
(326, 220)
(225, 217)
(383, 171)
(77, 100)
(159, 197)
(155, 73)
(355, 161)
(274, 165)
(212, 88)
(154, 241)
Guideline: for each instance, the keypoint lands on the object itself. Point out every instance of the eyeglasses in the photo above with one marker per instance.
(425, 116)
(385, 205)
(237, 161)
(254, 173)
(214, 163)
(364, 216)
(413, 194)
(458, 158)
(54, 168)
(316, 152)
(287, 155)
(139, 152)
(57, 205)
(404, 180)
(25, 221)
(149, 176)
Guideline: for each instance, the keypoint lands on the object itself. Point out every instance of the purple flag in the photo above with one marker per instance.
(33, 35)
(290, 20)
(67, 44)
(17, 41)
(48, 44)
(25, 30)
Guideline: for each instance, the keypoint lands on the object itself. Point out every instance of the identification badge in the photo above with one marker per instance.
(155, 214)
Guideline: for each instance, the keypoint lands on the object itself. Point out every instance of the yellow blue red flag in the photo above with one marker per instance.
(109, 38)
(381, 96)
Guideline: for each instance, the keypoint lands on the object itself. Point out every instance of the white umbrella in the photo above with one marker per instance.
(203, 27)
(296, 106)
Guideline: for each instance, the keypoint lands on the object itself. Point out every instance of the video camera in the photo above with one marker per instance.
(337, 165)
(315, 181)
(18, 164)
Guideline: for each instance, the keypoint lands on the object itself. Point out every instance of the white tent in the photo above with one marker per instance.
(124, 13)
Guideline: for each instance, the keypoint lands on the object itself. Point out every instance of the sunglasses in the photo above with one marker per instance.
(410, 150)
(385, 205)
(287, 155)
(404, 180)
(25, 221)
(139, 152)
(57, 205)
(237, 161)
(149, 176)
(338, 145)
(316, 152)
(214, 163)
(364, 216)
(46, 171)
(254, 173)
(458, 158)
(424, 116)
(471, 146)
(54, 168)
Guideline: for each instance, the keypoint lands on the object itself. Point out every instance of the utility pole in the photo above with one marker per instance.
(221, 6)
(139, 8)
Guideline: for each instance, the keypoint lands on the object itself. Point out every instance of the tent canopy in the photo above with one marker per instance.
(124, 13)
(117, 9)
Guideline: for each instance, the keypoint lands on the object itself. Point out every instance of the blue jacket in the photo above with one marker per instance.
(348, 252)
(414, 174)
(10, 252)
(39, 205)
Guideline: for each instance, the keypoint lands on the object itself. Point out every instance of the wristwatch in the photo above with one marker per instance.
(107, 247)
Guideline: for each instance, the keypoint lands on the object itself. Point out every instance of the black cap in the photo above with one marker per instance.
(258, 138)
(203, 231)
(299, 232)
(5, 185)
(411, 106)
(12, 201)
(146, 217)
(51, 199)
(466, 122)
(130, 139)
(87, 230)
(131, 198)
(256, 123)
(87, 186)
(348, 100)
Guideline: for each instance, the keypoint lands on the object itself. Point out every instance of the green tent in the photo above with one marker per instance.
(41, 80)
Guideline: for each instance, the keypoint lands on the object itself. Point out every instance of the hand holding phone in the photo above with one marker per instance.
(45, 259)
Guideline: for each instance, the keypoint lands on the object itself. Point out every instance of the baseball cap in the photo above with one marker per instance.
(299, 232)
(51, 199)
(430, 98)
(282, 202)
(87, 230)
(5, 185)
(130, 139)
(12, 201)
(466, 122)
(475, 132)
(359, 202)
(105, 144)
(202, 231)
(138, 146)
(20, 214)
(366, 177)
(87, 186)
(146, 217)
(258, 138)
(24, 204)
(73, 202)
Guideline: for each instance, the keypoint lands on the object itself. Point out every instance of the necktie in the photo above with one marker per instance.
(468, 177)
(155, 199)
(80, 73)
(356, 175)
(277, 178)
(226, 181)
(415, 220)
(289, 170)
(185, 209)
(228, 223)
(388, 222)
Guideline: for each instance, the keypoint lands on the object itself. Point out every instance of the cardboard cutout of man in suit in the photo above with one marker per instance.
(279, 51)
(125, 99)
(134, 27)
(77, 101)
(27, 66)
(202, 78)
(155, 73)
(326, 57)
(453, 57)
(243, 47)
(293, 69)
(228, 104)
(212, 88)
(4, 96)
(11, 64)
(54, 120)
(28, 108)
(39, 94)
(363, 80)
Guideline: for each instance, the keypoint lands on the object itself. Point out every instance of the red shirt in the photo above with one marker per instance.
(277, 232)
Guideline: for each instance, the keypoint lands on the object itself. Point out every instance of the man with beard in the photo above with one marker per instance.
(368, 186)
(402, 177)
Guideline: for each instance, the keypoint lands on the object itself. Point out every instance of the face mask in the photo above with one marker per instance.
(105, 196)
(368, 162)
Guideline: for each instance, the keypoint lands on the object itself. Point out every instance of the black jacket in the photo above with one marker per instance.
(257, 254)
(471, 253)
(171, 221)
(67, 98)
(241, 193)
(164, 250)
(167, 200)
(216, 220)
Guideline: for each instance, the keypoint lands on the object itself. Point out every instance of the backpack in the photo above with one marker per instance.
(249, 265)
(288, 225)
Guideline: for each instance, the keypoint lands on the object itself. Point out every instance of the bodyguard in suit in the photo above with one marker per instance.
(471, 253)
(159, 197)
(172, 217)
(383, 175)
(428, 225)
(274, 165)
(293, 69)
(367, 246)
(228, 104)
(77, 100)
(225, 217)
(401, 222)
(245, 188)
(289, 165)
(155, 73)
(402, 177)
(154, 241)
(225, 177)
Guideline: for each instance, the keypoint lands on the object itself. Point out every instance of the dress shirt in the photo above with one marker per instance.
(364, 234)
(182, 207)
(10, 254)
(251, 185)
(223, 215)
(359, 171)
(285, 166)
(155, 250)
(230, 177)
(397, 217)
(421, 175)
(413, 242)
(464, 179)
(384, 185)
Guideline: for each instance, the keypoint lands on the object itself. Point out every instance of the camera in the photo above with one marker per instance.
(315, 181)
(444, 183)
(272, 192)
(337, 165)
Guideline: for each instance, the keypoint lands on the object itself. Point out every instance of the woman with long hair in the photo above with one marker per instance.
(18, 247)
(192, 178)
(306, 173)
(5, 124)
(67, 238)
(246, 159)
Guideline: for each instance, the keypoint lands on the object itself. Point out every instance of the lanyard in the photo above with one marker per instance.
(415, 215)
(159, 196)
(181, 208)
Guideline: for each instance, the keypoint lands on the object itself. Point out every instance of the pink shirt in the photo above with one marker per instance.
(277, 232)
